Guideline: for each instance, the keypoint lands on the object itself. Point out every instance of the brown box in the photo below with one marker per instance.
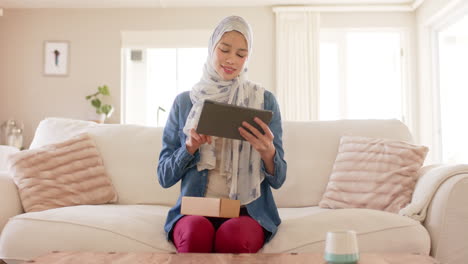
(214, 207)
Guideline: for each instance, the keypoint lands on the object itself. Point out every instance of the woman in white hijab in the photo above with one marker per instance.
(224, 168)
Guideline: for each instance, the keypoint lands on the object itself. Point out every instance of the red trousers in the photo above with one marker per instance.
(201, 234)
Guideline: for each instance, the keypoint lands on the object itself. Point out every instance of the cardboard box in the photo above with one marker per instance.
(214, 207)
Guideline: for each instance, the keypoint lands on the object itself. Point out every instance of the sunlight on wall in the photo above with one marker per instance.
(453, 57)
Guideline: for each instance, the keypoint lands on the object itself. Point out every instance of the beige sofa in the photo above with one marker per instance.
(135, 223)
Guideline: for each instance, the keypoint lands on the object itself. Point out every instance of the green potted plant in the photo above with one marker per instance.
(103, 111)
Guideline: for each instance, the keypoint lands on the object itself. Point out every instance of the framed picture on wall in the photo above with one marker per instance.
(56, 58)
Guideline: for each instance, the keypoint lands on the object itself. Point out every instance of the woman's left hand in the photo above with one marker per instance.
(262, 142)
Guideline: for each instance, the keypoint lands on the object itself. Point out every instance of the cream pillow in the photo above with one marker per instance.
(373, 173)
(63, 174)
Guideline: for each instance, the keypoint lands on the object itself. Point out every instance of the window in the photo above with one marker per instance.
(361, 74)
(153, 81)
(453, 83)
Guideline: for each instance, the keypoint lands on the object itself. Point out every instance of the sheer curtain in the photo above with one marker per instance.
(297, 72)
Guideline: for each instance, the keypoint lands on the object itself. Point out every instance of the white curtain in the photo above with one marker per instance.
(297, 72)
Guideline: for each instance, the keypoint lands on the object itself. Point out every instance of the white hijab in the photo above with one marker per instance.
(240, 162)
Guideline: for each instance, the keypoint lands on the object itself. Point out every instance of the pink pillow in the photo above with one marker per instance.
(62, 174)
(373, 173)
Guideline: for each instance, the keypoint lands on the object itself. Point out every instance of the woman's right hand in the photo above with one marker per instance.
(195, 140)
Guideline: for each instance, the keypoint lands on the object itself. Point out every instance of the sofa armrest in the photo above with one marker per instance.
(447, 221)
(431, 178)
(10, 203)
(439, 202)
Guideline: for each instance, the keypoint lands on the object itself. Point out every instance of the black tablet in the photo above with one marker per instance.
(223, 120)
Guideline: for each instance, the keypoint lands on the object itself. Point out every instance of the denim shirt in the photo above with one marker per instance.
(176, 163)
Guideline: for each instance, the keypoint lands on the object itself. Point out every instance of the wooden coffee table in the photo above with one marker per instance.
(193, 258)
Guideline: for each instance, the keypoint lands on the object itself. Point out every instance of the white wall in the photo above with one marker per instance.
(95, 46)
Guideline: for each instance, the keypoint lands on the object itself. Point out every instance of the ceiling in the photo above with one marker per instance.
(196, 3)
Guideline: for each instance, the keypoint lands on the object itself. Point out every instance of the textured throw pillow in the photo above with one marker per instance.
(62, 174)
(373, 173)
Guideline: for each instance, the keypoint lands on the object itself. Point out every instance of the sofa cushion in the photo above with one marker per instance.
(54, 129)
(132, 228)
(310, 150)
(130, 155)
(304, 230)
(62, 174)
(373, 173)
(123, 228)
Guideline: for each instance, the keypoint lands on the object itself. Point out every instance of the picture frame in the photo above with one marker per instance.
(56, 58)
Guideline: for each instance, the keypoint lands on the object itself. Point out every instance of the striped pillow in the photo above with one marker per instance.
(63, 174)
(373, 173)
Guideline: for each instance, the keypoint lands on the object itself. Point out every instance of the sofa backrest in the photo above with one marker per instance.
(131, 153)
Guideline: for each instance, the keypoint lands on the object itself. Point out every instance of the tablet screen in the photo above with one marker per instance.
(223, 120)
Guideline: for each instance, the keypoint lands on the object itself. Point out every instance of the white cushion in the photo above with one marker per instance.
(124, 228)
(54, 129)
(131, 155)
(310, 151)
(304, 230)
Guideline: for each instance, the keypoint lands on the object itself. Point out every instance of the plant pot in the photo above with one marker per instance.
(98, 118)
